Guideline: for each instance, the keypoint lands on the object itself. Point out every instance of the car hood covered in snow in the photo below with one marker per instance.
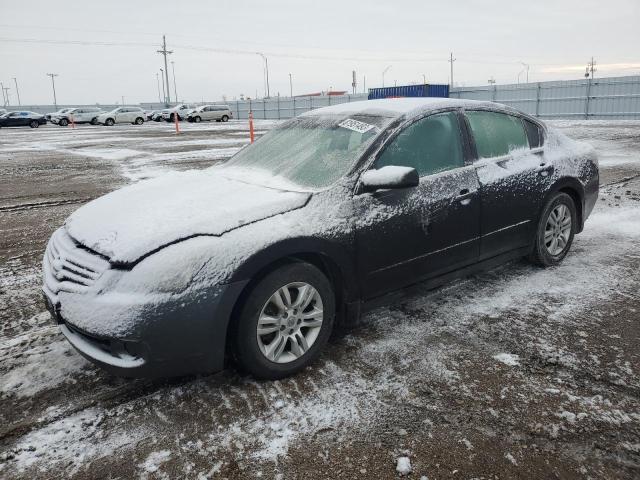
(127, 224)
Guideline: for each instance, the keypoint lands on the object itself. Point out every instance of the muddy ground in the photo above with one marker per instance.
(518, 372)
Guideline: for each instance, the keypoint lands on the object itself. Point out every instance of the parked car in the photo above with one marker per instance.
(58, 112)
(219, 113)
(182, 110)
(133, 115)
(3, 111)
(149, 114)
(308, 226)
(79, 115)
(22, 119)
(157, 115)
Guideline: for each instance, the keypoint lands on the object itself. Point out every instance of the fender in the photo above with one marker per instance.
(339, 253)
(562, 183)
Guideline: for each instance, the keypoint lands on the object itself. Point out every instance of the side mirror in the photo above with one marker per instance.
(389, 177)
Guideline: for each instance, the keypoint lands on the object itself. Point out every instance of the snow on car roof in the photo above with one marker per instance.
(396, 107)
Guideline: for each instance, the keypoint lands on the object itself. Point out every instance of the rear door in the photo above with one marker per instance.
(514, 177)
(407, 235)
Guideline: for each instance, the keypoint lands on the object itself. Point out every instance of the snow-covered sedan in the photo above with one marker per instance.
(258, 258)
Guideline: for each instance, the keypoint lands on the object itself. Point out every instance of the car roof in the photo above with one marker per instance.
(397, 107)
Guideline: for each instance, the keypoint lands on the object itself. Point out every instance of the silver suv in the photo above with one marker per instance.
(219, 113)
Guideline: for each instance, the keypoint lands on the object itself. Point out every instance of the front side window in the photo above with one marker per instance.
(496, 134)
(430, 145)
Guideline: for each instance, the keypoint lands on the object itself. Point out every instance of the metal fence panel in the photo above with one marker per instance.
(613, 97)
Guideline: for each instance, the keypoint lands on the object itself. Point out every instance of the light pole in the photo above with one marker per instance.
(175, 89)
(158, 83)
(266, 70)
(290, 86)
(383, 72)
(166, 52)
(17, 91)
(164, 94)
(53, 84)
(424, 79)
(526, 68)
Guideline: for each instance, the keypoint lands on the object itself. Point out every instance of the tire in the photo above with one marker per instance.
(197, 119)
(109, 122)
(249, 346)
(34, 124)
(225, 118)
(94, 121)
(545, 252)
(63, 122)
(139, 121)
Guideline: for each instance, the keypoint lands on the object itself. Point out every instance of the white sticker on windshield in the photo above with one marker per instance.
(355, 125)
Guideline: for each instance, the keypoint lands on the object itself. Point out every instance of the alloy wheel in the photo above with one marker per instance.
(290, 322)
(558, 229)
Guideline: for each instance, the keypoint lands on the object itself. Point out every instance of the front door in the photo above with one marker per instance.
(406, 235)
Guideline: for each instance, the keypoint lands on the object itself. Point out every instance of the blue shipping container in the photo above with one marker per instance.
(410, 91)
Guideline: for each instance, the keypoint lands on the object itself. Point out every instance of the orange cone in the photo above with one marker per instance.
(175, 117)
(251, 134)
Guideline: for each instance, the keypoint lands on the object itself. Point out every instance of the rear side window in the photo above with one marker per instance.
(534, 133)
(429, 145)
(496, 134)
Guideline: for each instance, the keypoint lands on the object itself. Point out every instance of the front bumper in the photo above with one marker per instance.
(183, 335)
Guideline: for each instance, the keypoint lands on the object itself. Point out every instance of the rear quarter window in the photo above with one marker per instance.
(534, 133)
(496, 134)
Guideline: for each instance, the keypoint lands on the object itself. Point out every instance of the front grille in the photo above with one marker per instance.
(68, 267)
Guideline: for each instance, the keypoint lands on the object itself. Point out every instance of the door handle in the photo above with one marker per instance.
(464, 197)
(545, 169)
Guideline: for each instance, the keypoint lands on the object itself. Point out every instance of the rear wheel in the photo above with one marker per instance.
(225, 118)
(555, 232)
(285, 321)
(94, 121)
(34, 124)
(139, 121)
(109, 122)
(197, 119)
(63, 122)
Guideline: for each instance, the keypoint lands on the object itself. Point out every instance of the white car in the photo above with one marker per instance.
(79, 115)
(56, 113)
(182, 110)
(219, 113)
(133, 115)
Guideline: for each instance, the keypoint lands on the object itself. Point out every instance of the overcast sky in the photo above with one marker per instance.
(318, 42)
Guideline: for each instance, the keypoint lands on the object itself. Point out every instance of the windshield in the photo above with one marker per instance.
(312, 151)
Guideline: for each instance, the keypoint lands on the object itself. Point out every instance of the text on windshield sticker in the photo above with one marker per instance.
(355, 125)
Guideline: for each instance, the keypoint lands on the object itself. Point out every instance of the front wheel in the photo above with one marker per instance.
(94, 121)
(555, 232)
(139, 121)
(63, 122)
(285, 322)
(109, 122)
(197, 119)
(34, 124)
(225, 118)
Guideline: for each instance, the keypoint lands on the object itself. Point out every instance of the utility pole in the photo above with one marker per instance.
(158, 83)
(290, 86)
(122, 100)
(4, 100)
(175, 90)
(383, 72)
(590, 68)
(164, 95)
(424, 79)
(451, 60)
(166, 52)
(266, 70)
(354, 81)
(17, 91)
(364, 84)
(5, 94)
(53, 84)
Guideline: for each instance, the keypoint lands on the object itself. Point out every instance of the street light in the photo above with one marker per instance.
(526, 68)
(383, 72)
(290, 86)
(175, 89)
(164, 93)
(266, 69)
(17, 91)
